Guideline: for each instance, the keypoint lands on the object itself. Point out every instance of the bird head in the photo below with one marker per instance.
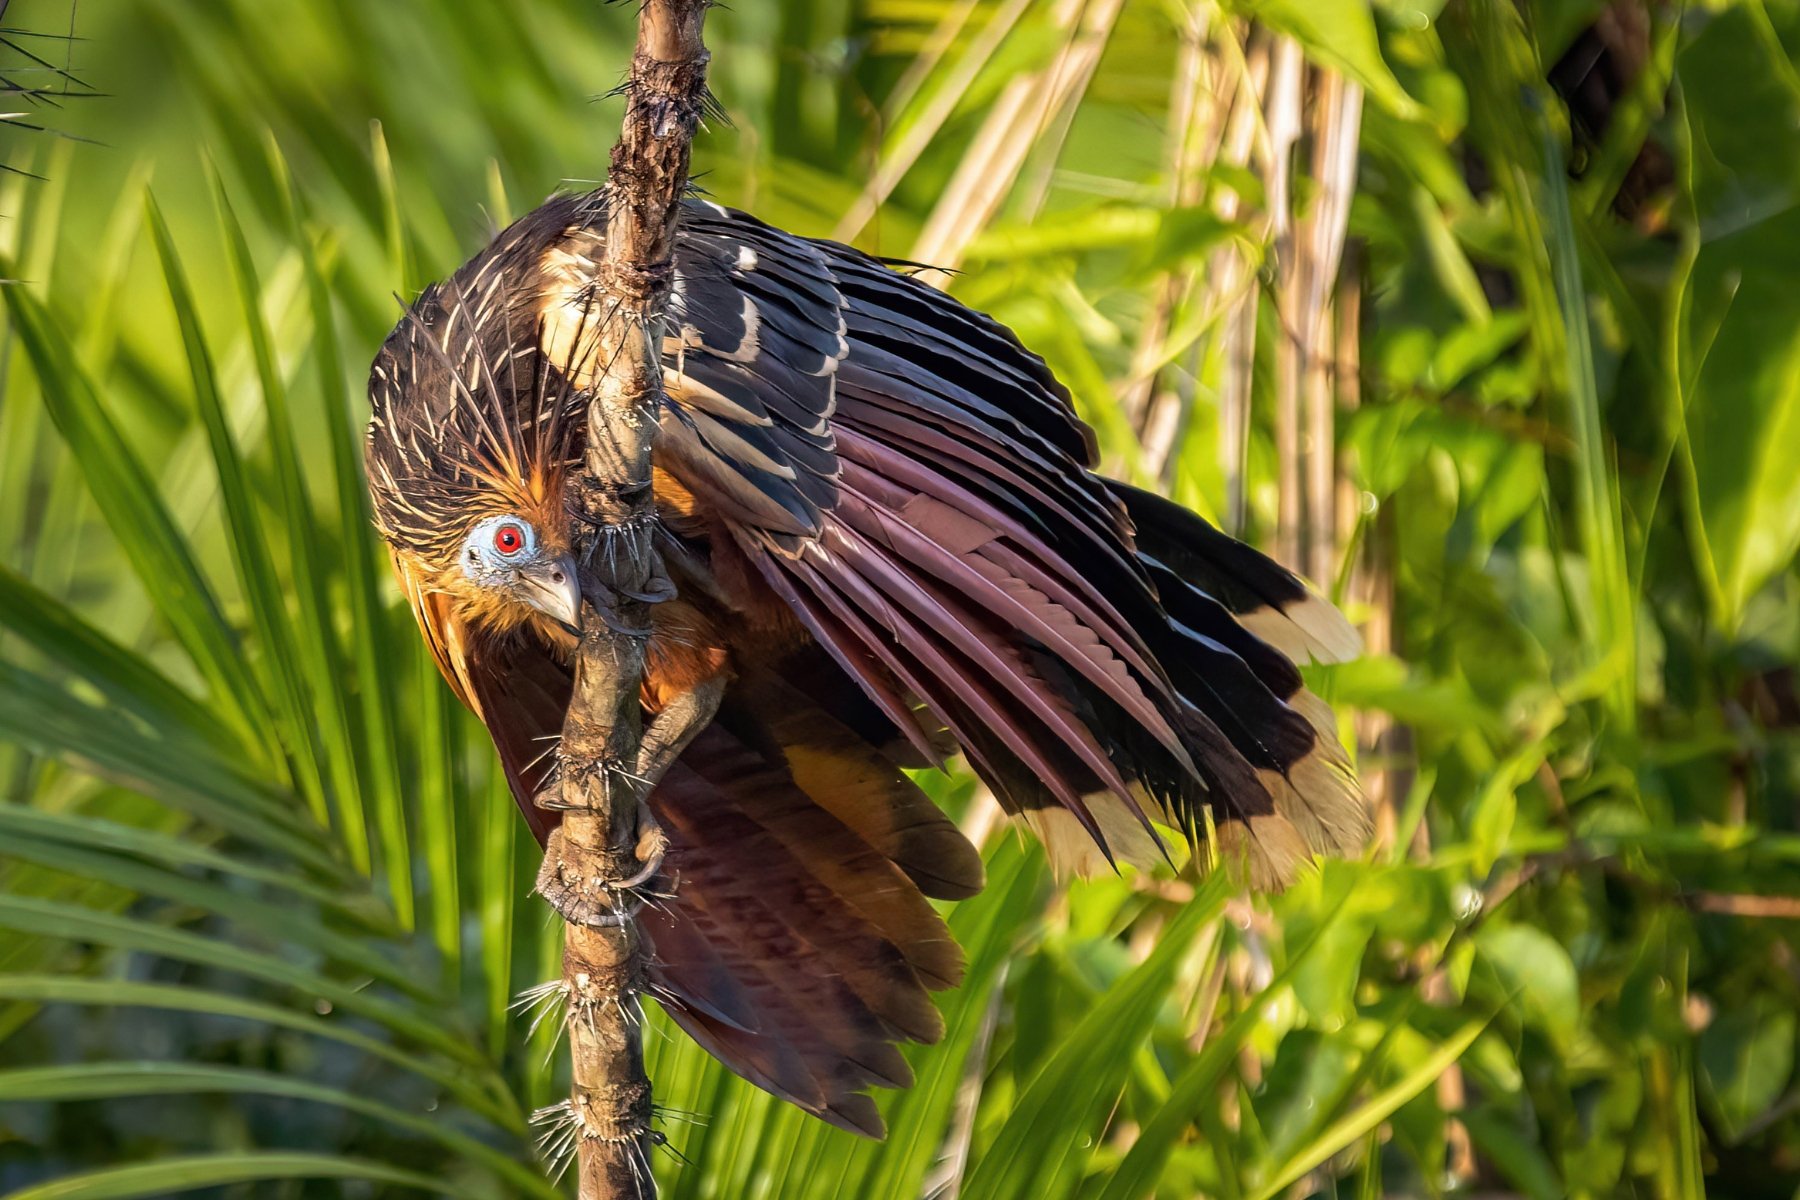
(473, 430)
(507, 561)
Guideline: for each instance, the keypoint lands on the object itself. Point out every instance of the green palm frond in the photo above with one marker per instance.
(264, 897)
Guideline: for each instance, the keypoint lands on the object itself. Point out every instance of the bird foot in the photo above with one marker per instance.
(578, 896)
(587, 885)
(583, 879)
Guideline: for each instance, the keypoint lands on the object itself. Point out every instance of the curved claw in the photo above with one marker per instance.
(652, 846)
(643, 876)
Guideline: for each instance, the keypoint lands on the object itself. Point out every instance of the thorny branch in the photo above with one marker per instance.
(608, 845)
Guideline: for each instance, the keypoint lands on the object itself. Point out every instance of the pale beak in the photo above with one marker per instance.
(551, 587)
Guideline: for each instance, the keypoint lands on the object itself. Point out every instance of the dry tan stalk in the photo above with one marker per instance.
(1232, 283)
(1320, 416)
(938, 110)
(1163, 426)
(1070, 77)
(1230, 289)
(1012, 128)
(607, 843)
(1194, 109)
(1742, 904)
(993, 159)
(1308, 253)
(1337, 126)
(1287, 79)
(1346, 371)
(937, 45)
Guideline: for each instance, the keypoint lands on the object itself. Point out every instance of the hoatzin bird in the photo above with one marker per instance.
(878, 511)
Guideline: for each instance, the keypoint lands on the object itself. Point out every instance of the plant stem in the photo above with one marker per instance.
(607, 834)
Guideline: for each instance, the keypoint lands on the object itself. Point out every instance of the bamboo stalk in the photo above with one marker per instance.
(1193, 110)
(1234, 284)
(1283, 107)
(1012, 128)
(608, 844)
(937, 110)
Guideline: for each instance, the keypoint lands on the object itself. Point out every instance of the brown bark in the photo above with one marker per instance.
(608, 844)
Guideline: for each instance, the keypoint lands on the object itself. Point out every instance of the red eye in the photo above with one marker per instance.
(509, 539)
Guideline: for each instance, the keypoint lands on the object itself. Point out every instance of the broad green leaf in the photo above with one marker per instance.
(1340, 34)
(1746, 1059)
(1741, 105)
(1537, 977)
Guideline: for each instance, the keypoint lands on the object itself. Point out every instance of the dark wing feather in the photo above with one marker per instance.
(751, 364)
(796, 943)
(963, 555)
(1264, 596)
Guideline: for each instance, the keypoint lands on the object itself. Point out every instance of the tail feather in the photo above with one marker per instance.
(1268, 599)
(1240, 622)
(844, 774)
(798, 945)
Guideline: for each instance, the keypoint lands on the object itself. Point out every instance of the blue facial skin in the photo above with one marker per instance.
(486, 564)
(502, 554)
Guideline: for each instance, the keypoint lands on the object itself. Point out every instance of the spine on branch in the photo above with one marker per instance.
(608, 845)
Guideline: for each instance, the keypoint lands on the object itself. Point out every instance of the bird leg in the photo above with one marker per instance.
(593, 898)
(675, 726)
(667, 736)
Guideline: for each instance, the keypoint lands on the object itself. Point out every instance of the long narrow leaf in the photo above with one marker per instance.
(120, 486)
(1052, 1114)
(37, 713)
(275, 922)
(73, 989)
(172, 1175)
(190, 850)
(105, 1080)
(380, 672)
(53, 919)
(124, 677)
(1377, 1109)
(249, 543)
(316, 637)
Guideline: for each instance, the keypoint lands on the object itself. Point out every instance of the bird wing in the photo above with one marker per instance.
(756, 335)
(514, 683)
(940, 533)
(799, 946)
(795, 942)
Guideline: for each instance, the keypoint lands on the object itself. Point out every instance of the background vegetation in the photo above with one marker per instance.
(1482, 312)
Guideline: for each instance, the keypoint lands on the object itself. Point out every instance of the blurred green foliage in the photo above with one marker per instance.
(265, 900)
